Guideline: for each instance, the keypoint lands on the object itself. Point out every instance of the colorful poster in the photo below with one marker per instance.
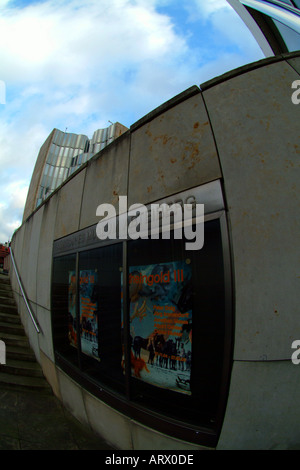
(88, 311)
(161, 324)
(72, 309)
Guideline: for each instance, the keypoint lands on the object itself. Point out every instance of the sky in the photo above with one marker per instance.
(79, 65)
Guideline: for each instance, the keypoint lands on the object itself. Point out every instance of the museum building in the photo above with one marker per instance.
(153, 344)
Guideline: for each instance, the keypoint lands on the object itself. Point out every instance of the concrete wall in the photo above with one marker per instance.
(241, 128)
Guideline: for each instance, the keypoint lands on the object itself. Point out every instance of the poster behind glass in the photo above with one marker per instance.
(161, 324)
(72, 326)
(88, 311)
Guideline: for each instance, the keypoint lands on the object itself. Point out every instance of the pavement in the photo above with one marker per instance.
(32, 420)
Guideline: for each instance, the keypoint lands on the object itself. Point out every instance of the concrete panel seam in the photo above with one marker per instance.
(245, 69)
(80, 210)
(292, 67)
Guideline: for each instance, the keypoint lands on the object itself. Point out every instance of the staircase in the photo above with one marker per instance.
(21, 371)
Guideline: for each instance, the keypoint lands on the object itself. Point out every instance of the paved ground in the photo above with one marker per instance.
(37, 421)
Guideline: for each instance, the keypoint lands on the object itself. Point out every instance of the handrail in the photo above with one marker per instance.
(23, 293)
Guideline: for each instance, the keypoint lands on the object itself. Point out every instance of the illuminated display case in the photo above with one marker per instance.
(146, 324)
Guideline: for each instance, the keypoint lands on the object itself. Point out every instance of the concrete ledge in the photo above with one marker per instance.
(247, 68)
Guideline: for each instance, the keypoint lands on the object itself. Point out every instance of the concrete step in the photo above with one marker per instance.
(21, 371)
(14, 340)
(9, 318)
(10, 308)
(21, 353)
(12, 328)
(17, 382)
(5, 290)
(23, 368)
(6, 300)
(4, 279)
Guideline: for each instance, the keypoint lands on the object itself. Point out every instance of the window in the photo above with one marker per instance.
(100, 272)
(146, 325)
(177, 304)
(86, 305)
(64, 322)
(290, 37)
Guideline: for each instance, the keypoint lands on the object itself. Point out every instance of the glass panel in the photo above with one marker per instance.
(46, 169)
(63, 161)
(61, 173)
(73, 140)
(56, 172)
(80, 142)
(54, 183)
(290, 37)
(176, 313)
(51, 169)
(64, 307)
(69, 139)
(100, 314)
(58, 161)
(59, 137)
(287, 2)
(51, 158)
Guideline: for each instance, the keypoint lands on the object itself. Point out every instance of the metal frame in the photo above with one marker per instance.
(34, 321)
(253, 12)
(201, 435)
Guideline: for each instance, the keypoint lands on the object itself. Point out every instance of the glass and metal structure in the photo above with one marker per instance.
(275, 24)
(67, 152)
(145, 324)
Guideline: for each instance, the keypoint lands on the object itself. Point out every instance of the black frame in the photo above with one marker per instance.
(205, 436)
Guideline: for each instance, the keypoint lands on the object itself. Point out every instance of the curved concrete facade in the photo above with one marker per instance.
(243, 130)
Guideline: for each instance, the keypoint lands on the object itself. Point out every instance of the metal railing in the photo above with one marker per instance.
(34, 321)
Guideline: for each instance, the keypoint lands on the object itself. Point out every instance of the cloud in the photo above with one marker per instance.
(206, 9)
(11, 211)
(77, 65)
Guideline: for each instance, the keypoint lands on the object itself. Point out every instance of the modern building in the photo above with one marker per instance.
(151, 343)
(61, 154)
(275, 24)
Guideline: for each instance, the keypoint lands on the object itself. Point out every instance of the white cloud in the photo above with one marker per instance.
(70, 43)
(203, 10)
(11, 211)
(79, 64)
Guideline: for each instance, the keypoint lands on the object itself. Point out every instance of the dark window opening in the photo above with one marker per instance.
(149, 322)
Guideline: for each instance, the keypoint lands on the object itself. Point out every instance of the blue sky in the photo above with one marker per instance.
(80, 64)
